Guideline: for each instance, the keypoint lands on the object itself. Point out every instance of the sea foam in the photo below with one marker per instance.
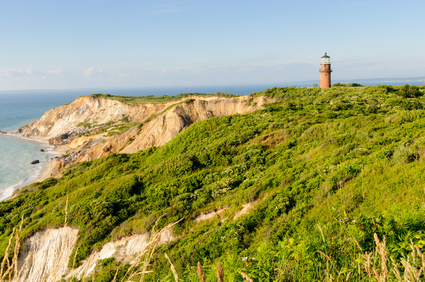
(16, 155)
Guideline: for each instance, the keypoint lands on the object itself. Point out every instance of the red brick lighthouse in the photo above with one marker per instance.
(325, 71)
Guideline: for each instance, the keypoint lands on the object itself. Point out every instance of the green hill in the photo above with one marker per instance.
(324, 170)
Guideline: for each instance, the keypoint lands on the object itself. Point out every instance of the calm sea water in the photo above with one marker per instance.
(18, 108)
(16, 154)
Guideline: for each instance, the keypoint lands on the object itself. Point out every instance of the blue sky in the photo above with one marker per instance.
(58, 44)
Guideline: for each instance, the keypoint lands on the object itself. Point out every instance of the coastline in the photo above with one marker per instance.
(47, 170)
(43, 170)
(49, 166)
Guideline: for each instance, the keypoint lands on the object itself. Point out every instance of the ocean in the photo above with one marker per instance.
(18, 108)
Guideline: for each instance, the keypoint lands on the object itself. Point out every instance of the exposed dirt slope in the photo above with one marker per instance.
(145, 125)
(69, 119)
(46, 254)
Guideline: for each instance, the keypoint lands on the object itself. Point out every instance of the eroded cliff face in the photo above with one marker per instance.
(165, 126)
(46, 254)
(72, 118)
(152, 124)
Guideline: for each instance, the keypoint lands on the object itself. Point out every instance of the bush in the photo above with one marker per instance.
(409, 91)
(313, 171)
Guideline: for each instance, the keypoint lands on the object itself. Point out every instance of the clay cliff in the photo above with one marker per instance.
(93, 127)
(45, 254)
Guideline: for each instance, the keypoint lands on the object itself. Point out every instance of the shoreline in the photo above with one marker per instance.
(46, 171)
(42, 171)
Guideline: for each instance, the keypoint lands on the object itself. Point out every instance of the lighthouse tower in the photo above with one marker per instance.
(325, 71)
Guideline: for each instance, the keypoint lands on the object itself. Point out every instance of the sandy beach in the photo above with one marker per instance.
(49, 167)
(45, 168)
(45, 172)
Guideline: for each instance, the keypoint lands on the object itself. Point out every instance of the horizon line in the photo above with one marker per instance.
(287, 83)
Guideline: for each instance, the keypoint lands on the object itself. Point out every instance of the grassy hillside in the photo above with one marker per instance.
(329, 173)
(157, 99)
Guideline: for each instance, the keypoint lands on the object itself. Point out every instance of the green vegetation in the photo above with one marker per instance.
(85, 124)
(167, 109)
(112, 127)
(157, 99)
(118, 129)
(335, 177)
(354, 84)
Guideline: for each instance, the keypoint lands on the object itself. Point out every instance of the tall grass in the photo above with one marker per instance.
(326, 169)
(12, 267)
(375, 265)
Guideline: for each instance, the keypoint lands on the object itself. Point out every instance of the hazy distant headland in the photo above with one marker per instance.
(390, 80)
